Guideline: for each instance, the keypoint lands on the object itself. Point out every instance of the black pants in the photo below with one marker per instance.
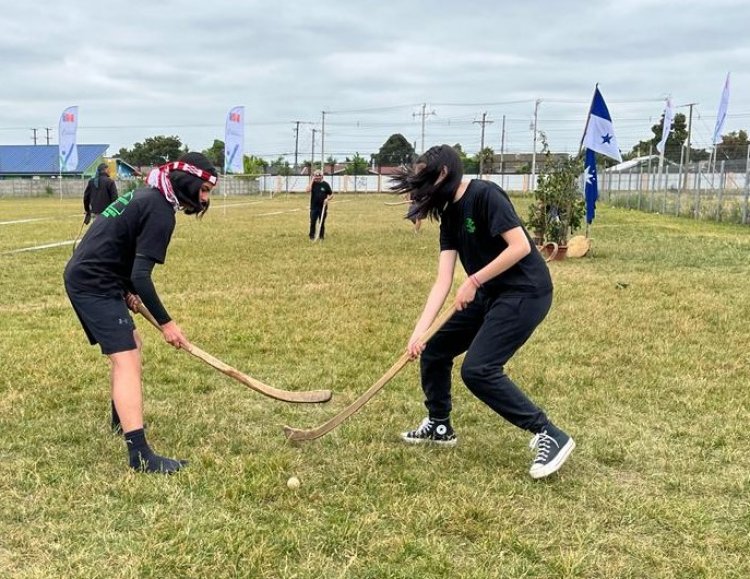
(490, 331)
(317, 213)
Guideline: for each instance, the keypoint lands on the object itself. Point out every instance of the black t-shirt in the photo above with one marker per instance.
(319, 192)
(140, 222)
(96, 199)
(473, 226)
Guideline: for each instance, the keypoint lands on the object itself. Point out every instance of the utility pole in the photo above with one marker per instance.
(502, 155)
(47, 129)
(33, 138)
(323, 144)
(483, 122)
(296, 143)
(424, 114)
(312, 154)
(687, 152)
(533, 155)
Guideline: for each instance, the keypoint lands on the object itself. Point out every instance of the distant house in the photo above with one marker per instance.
(336, 169)
(385, 170)
(521, 162)
(119, 169)
(28, 161)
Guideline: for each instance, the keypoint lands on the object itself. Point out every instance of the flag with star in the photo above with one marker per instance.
(591, 189)
(599, 135)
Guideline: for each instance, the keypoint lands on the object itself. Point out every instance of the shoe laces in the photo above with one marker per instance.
(543, 444)
(424, 427)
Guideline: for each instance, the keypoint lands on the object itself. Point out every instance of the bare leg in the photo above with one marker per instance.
(127, 395)
(126, 388)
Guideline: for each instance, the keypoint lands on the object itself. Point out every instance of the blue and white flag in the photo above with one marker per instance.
(67, 148)
(234, 141)
(721, 116)
(600, 133)
(591, 189)
(666, 126)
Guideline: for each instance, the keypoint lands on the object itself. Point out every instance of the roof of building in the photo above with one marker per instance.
(43, 159)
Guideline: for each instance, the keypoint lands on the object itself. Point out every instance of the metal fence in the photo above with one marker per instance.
(696, 192)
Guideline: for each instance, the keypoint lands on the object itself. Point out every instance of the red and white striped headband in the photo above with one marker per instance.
(193, 170)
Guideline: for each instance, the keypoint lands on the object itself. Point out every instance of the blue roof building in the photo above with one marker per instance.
(43, 160)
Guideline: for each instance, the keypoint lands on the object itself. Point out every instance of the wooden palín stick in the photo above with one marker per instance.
(310, 396)
(298, 434)
(319, 224)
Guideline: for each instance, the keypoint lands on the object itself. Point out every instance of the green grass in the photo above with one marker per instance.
(643, 358)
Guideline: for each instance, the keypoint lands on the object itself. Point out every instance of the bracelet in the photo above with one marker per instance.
(475, 281)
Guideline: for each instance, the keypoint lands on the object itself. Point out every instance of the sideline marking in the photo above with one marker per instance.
(22, 221)
(275, 213)
(37, 247)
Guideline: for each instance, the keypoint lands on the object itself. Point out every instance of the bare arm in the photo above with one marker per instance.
(518, 248)
(435, 300)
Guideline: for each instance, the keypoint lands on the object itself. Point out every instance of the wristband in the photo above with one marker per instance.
(475, 281)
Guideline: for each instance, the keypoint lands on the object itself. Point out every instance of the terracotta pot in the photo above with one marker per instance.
(562, 252)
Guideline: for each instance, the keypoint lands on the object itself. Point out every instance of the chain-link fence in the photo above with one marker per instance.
(696, 192)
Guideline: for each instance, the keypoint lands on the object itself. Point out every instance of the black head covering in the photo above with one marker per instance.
(101, 169)
(187, 187)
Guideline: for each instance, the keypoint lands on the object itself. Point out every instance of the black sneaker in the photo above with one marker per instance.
(432, 431)
(553, 447)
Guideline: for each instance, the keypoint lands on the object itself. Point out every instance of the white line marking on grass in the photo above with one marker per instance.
(37, 247)
(276, 212)
(241, 204)
(22, 221)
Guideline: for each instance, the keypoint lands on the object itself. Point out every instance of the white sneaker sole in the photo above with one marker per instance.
(537, 471)
(448, 443)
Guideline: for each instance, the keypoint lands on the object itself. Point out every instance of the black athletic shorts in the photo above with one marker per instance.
(105, 319)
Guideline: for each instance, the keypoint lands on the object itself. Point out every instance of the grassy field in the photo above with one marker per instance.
(643, 359)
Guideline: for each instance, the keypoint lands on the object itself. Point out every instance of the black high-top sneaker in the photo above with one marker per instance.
(432, 431)
(553, 447)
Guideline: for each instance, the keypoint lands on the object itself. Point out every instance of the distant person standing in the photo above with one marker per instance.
(100, 192)
(320, 193)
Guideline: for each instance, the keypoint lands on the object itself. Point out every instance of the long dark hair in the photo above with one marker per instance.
(429, 199)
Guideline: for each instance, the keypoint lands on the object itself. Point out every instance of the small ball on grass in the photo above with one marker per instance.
(293, 483)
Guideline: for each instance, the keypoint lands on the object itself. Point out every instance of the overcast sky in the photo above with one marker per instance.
(164, 67)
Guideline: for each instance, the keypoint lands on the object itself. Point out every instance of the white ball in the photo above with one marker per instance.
(293, 482)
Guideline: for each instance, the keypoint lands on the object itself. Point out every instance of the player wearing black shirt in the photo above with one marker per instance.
(507, 294)
(99, 193)
(110, 271)
(320, 193)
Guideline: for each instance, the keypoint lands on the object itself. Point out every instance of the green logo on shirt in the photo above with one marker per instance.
(116, 208)
(470, 225)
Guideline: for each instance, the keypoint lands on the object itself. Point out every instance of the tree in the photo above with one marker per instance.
(153, 151)
(484, 159)
(470, 164)
(395, 151)
(733, 146)
(280, 167)
(676, 139)
(215, 154)
(252, 165)
(357, 165)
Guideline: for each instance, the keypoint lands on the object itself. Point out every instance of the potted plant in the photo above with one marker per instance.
(558, 208)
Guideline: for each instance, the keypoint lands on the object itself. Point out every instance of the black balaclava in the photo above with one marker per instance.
(187, 187)
(100, 170)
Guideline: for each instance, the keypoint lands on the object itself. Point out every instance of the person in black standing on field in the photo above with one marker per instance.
(506, 295)
(110, 271)
(100, 192)
(320, 193)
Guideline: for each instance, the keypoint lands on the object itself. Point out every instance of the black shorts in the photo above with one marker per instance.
(105, 319)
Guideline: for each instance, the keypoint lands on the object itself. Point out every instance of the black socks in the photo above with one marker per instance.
(143, 459)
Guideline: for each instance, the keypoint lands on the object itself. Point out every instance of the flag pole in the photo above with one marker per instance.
(588, 118)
